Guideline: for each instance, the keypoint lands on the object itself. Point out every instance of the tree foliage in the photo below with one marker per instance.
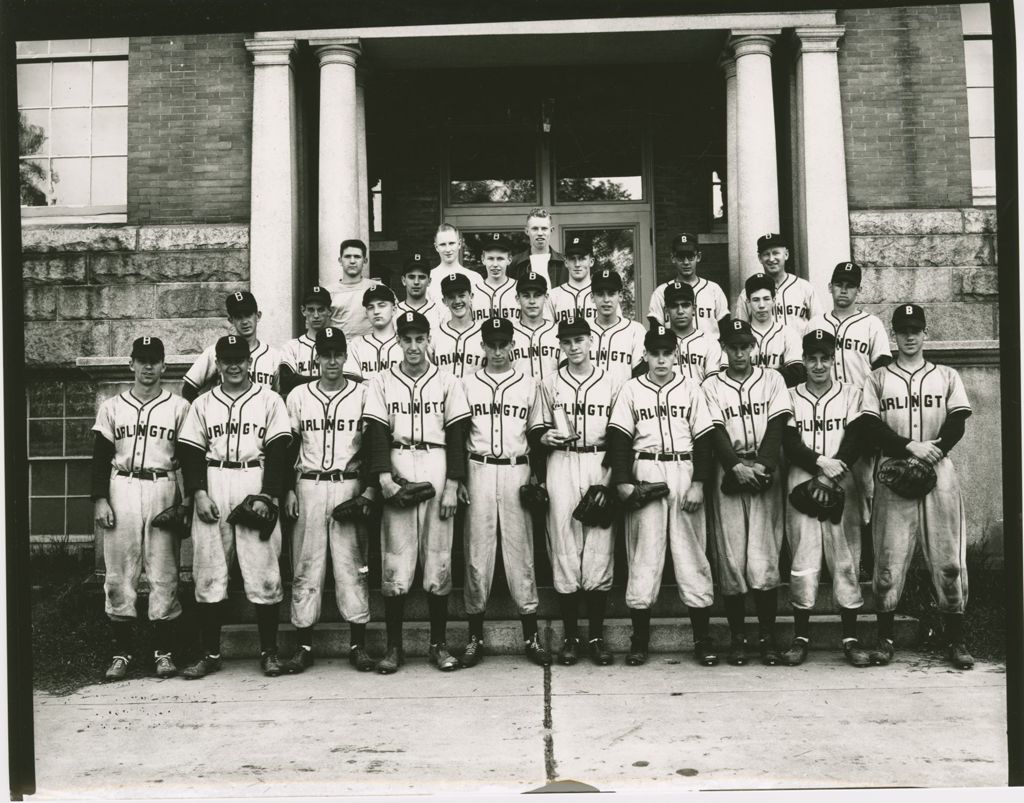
(32, 174)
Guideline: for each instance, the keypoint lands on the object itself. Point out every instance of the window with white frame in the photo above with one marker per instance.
(977, 25)
(73, 126)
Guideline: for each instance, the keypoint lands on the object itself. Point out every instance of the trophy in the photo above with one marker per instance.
(563, 423)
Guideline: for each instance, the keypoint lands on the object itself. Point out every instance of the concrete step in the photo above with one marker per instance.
(505, 636)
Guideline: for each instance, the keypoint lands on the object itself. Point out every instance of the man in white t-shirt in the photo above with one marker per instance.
(347, 311)
(448, 244)
(541, 259)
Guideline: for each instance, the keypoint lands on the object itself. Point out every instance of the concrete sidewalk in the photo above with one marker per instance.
(508, 726)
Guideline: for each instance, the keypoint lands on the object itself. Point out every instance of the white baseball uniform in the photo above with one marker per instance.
(144, 435)
(535, 351)
(776, 347)
(369, 355)
(500, 300)
(236, 430)
(617, 349)
(698, 355)
(860, 340)
(566, 298)
(710, 305)
(347, 311)
(433, 311)
(796, 302)
(266, 362)
(299, 354)
(457, 353)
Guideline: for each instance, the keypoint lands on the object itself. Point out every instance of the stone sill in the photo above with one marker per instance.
(116, 369)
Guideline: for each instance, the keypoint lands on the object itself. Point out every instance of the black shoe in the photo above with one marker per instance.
(599, 654)
(797, 652)
(855, 656)
(705, 653)
(883, 652)
(164, 665)
(769, 652)
(536, 652)
(301, 660)
(474, 652)
(959, 656)
(271, 664)
(738, 651)
(360, 658)
(637, 655)
(439, 656)
(118, 668)
(201, 668)
(570, 652)
(393, 658)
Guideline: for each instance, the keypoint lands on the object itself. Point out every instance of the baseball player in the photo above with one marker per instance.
(709, 302)
(378, 350)
(298, 355)
(913, 407)
(698, 353)
(535, 349)
(448, 244)
(819, 441)
(133, 479)
(347, 310)
(541, 258)
(234, 442)
(498, 290)
(504, 407)
(264, 360)
(776, 346)
(416, 281)
(575, 293)
(749, 406)
(577, 402)
(326, 424)
(660, 432)
(456, 348)
(417, 419)
(618, 342)
(796, 301)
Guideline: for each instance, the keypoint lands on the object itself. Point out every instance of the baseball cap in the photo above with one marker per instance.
(678, 291)
(607, 280)
(683, 243)
(819, 340)
(496, 242)
(231, 348)
(571, 327)
(455, 283)
(759, 281)
(659, 337)
(733, 330)
(532, 281)
(379, 292)
(496, 329)
(579, 245)
(317, 295)
(417, 261)
(771, 240)
(240, 304)
(908, 315)
(412, 321)
(148, 349)
(847, 272)
(331, 338)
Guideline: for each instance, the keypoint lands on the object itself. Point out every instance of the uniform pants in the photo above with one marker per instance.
(316, 532)
(581, 557)
(748, 537)
(494, 506)
(134, 544)
(809, 539)
(417, 532)
(215, 544)
(864, 481)
(664, 521)
(938, 520)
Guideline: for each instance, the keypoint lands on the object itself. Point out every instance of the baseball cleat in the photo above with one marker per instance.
(201, 668)
(360, 658)
(271, 664)
(599, 654)
(705, 653)
(301, 660)
(536, 653)
(855, 655)
(738, 651)
(393, 658)
(440, 657)
(959, 656)
(118, 668)
(570, 652)
(883, 652)
(165, 667)
(474, 652)
(769, 652)
(797, 652)
(637, 655)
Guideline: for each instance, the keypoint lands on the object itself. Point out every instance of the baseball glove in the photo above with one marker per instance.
(909, 477)
(644, 493)
(819, 498)
(533, 498)
(176, 519)
(245, 514)
(595, 508)
(411, 494)
(731, 486)
(357, 508)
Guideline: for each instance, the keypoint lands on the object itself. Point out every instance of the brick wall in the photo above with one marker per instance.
(189, 129)
(902, 81)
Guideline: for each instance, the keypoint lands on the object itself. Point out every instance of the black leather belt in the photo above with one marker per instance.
(663, 457)
(144, 474)
(419, 447)
(499, 461)
(581, 449)
(330, 476)
(233, 464)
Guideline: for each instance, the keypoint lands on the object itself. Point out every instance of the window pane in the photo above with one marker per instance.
(40, 48)
(65, 47)
(113, 44)
(45, 438)
(110, 130)
(47, 517)
(33, 85)
(980, 112)
(72, 83)
(46, 399)
(613, 248)
(71, 181)
(978, 54)
(32, 134)
(79, 481)
(69, 135)
(976, 18)
(81, 399)
(492, 168)
(110, 180)
(110, 83)
(472, 241)
(983, 166)
(80, 520)
(598, 165)
(78, 436)
(35, 182)
(47, 479)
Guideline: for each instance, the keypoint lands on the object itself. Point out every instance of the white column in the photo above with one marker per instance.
(273, 217)
(364, 191)
(822, 154)
(732, 173)
(758, 199)
(338, 180)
